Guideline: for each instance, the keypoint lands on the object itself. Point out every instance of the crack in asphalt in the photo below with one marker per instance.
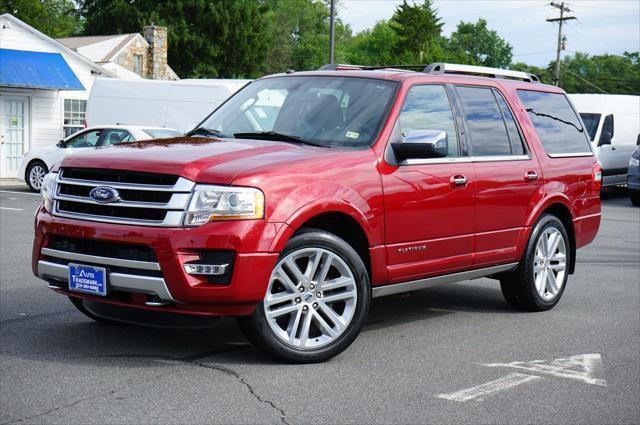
(191, 360)
(74, 403)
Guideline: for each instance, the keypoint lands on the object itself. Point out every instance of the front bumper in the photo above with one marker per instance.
(164, 285)
(633, 178)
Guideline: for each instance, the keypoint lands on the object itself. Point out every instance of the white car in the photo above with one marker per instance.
(37, 163)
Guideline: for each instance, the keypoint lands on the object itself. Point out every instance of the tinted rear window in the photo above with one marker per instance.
(555, 122)
(591, 122)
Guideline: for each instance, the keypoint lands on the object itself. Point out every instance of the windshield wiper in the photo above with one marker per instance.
(275, 136)
(203, 131)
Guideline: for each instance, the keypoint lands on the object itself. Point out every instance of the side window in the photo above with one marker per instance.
(517, 147)
(84, 140)
(113, 137)
(556, 122)
(607, 130)
(591, 122)
(487, 129)
(427, 107)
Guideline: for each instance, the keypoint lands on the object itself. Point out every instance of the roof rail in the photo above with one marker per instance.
(483, 71)
(346, 67)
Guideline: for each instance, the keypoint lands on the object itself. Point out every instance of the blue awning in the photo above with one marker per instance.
(36, 70)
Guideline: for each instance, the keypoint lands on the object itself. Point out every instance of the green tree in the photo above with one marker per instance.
(375, 46)
(614, 74)
(55, 18)
(418, 29)
(479, 45)
(107, 17)
(300, 34)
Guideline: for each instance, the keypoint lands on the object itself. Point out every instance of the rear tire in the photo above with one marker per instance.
(316, 302)
(77, 303)
(634, 195)
(540, 279)
(35, 175)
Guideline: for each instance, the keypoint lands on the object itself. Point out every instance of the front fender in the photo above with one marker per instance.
(311, 200)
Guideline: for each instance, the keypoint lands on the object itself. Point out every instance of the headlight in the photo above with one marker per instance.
(634, 162)
(213, 203)
(48, 190)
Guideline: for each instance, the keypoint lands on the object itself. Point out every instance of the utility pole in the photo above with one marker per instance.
(561, 39)
(332, 24)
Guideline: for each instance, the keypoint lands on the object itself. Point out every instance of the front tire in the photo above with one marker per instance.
(35, 175)
(316, 302)
(540, 279)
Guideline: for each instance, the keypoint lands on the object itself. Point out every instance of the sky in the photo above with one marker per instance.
(605, 26)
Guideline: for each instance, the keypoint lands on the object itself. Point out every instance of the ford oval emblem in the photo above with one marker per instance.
(104, 194)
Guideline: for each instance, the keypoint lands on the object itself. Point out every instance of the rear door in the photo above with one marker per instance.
(429, 202)
(507, 177)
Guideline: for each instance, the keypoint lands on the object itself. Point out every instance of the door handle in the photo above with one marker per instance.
(530, 176)
(458, 180)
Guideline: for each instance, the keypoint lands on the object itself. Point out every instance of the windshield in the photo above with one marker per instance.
(328, 111)
(591, 122)
(161, 133)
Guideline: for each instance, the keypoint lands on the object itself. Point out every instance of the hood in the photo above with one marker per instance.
(200, 159)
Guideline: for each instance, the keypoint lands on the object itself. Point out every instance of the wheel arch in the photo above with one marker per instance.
(30, 163)
(559, 207)
(341, 219)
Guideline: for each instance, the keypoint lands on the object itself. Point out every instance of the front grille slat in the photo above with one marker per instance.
(144, 198)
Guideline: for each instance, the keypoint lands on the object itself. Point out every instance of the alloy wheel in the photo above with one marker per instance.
(36, 176)
(311, 298)
(550, 263)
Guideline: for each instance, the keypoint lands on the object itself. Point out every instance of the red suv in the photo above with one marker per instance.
(307, 194)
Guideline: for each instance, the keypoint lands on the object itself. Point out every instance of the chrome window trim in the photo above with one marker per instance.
(111, 261)
(569, 155)
(466, 159)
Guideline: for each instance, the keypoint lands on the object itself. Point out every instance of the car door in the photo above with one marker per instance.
(507, 176)
(428, 202)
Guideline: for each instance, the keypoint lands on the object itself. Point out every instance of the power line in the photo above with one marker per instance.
(561, 40)
(583, 79)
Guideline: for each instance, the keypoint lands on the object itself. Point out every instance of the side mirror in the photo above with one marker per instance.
(638, 140)
(60, 144)
(605, 138)
(421, 144)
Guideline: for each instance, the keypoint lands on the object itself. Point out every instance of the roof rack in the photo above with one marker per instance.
(347, 67)
(442, 68)
(482, 71)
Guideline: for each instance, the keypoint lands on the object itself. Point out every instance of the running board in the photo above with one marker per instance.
(398, 288)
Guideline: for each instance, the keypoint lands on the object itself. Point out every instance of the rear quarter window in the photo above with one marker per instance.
(556, 123)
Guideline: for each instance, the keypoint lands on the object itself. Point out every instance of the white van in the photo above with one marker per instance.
(174, 104)
(613, 124)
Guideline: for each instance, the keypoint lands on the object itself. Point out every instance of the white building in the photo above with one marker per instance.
(44, 87)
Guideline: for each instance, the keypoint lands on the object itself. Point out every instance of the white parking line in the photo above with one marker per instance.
(11, 209)
(488, 388)
(20, 193)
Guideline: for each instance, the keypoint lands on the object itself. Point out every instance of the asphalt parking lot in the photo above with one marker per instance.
(453, 354)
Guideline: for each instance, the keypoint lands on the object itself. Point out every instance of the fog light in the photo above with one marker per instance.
(206, 269)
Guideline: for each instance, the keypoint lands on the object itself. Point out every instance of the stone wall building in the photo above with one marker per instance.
(128, 55)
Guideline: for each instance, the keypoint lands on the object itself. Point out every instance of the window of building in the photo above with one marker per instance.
(556, 122)
(487, 128)
(427, 107)
(137, 64)
(74, 114)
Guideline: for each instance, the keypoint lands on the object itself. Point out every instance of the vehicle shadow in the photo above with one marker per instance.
(68, 337)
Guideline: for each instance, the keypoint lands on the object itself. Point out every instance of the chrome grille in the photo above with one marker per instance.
(146, 199)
